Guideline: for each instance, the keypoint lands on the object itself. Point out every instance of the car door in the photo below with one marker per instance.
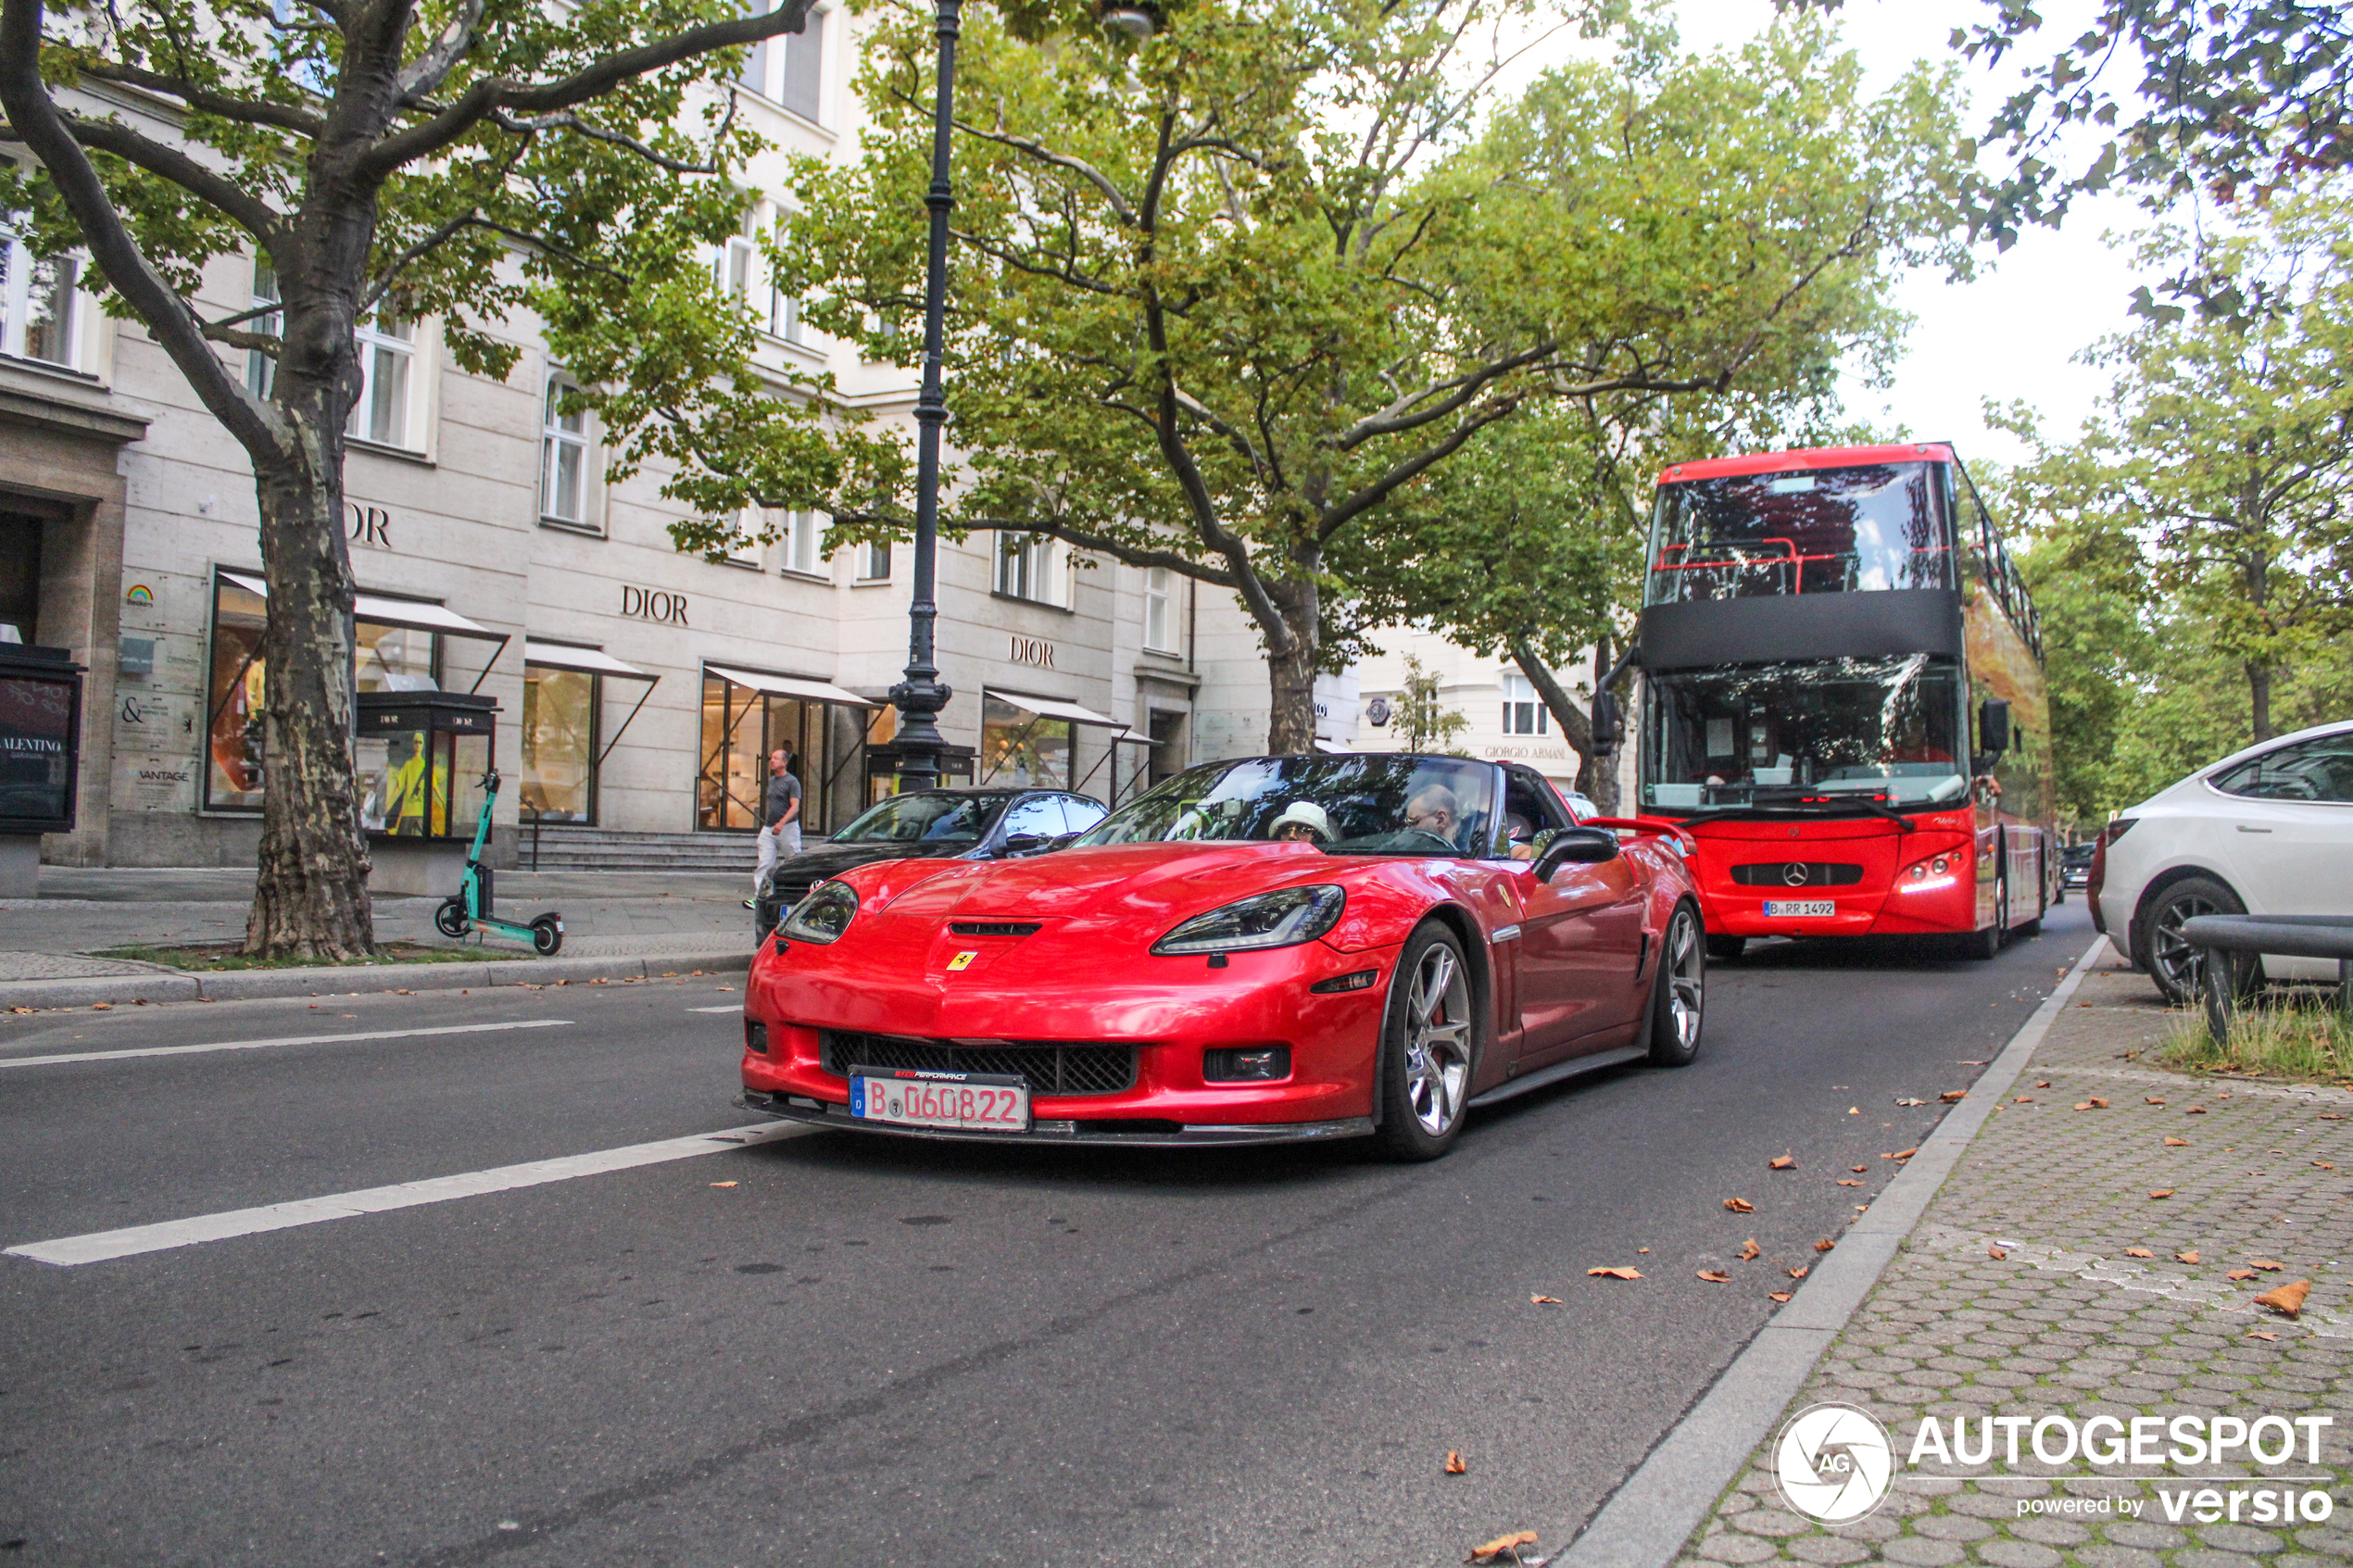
(2288, 844)
(1579, 938)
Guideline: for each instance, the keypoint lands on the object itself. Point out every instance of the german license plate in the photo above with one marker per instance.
(1799, 909)
(985, 1102)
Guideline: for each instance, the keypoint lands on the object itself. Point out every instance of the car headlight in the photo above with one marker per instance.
(823, 915)
(1282, 919)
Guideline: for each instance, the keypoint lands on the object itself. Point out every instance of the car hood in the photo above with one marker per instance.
(826, 861)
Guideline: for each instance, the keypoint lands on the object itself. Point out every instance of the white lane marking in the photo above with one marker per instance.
(731, 1007)
(288, 1040)
(100, 1247)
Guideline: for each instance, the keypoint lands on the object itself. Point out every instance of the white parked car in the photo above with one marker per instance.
(2267, 831)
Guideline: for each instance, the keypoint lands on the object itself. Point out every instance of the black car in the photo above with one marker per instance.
(2075, 866)
(961, 824)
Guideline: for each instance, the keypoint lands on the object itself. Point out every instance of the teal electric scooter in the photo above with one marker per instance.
(469, 908)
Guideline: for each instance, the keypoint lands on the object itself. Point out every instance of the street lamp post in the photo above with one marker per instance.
(921, 696)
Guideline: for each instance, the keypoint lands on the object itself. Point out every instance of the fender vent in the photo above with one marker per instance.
(993, 927)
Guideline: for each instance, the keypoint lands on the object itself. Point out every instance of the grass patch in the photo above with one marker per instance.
(2295, 1035)
(218, 956)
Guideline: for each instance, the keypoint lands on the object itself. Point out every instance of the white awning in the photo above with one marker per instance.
(790, 685)
(593, 661)
(1054, 708)
(410, 613)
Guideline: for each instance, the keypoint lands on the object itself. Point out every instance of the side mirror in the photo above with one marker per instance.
(1608, 731)
(1992, 726)
(1023, 843)
(1575, 846)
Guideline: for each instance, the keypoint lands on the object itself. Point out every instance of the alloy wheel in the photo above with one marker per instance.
(1686, 979)
(2180, 967)
(1438, 1045)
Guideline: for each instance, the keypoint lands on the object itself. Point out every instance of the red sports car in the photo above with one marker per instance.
(1271, 949)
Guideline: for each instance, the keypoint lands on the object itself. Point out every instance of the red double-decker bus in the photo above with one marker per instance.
(1843, 699)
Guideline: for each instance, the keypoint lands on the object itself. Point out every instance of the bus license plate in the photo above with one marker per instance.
(983, 1102)
(1799, 909)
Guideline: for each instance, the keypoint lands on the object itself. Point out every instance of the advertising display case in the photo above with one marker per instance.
(421, 757)
(40, 757)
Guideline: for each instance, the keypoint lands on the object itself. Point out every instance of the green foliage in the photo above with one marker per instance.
(1424, 722)
(1220, 303)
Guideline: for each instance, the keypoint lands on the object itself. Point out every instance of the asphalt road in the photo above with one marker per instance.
(885, 1353)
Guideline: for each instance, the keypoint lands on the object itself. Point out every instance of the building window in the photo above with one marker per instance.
(873, 562)
(563, 456)
(387, 356)
(1159, 619)
(1524, 712)
(784, 309)
(1022, 749)
(800, 538)
(1030, 566)
(391, 658)
(559, 745)
(805, 68)
(39, 304)
(740, 727)
(261, 369)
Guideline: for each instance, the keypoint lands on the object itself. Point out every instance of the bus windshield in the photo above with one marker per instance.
(1870, 527)
(1789, 734)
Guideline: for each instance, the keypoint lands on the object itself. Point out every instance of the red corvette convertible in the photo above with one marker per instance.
(1271, 949)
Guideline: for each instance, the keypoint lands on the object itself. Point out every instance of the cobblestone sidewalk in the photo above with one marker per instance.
(2050, 1277)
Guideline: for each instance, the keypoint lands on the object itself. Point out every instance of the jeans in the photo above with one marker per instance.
(784, 839)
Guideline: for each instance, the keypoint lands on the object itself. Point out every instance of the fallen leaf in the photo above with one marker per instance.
(2189, 1257)
(1642, 1249)
(1778, 1295)
(2026, 1099)
(2041, 1083)
(1848, 1182)
(2177, 1143)
(2240, 1273)
(1613, 1274)
(1824, 1245)
(1858, 1170)
(1783, 1162)
(2138, 1252)
(2266, 1264)
(1749, 1250)
(1953, 1097)
(723, 1183)
(2162, 1192)
(2323, 1116)
(1740, 1206)
(1543, 1300)
(1492, 1551)
(2289, 1299)
(1966, 1062)
(2152, 1099)
(2322, 1165)
(1911, 1102)
(1455, 1465)
(2193, 1111)
(2094, 1103)
(101, 1006)
(2262, 1333)
(2082, 1105)
(1799, 1272)
(1997, 1253)
(1853, 1111)
(1716, 1276)
(1902, 1153)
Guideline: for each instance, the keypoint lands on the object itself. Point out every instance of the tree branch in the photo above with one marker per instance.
(247, 211)
(1370, 496)
(1043, 154)
(1131, 555)
(424, 75)
(258, 427)
(568, 122)
(1460, 392)
(591, 82)
(203, 100)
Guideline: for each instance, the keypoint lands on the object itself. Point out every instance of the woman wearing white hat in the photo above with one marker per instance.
(1302, 822)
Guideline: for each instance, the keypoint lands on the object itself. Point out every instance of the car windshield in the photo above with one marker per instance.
(1347, 805)
(925, 819)
(1805, 735)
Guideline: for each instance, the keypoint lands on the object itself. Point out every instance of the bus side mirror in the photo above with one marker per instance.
(1993, 727)
(1607, 731)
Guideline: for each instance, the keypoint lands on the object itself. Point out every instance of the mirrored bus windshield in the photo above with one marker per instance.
(1357, 805)
(1768, 734)
(1862, 529)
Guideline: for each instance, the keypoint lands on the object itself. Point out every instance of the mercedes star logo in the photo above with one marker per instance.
(1794, 874)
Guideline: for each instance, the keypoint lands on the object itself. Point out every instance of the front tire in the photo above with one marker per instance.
(1678, 994)
(546, 935)
(1430, 1048)
(2178, 968)
(450, 917)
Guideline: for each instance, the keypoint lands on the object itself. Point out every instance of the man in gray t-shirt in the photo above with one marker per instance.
(779, 818)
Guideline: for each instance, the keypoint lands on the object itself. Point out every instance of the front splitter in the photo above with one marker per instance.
(823, 1113)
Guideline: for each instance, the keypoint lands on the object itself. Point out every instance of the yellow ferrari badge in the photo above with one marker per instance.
(961, 960)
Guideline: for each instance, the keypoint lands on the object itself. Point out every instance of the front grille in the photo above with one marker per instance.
(992, 927)
(1051, 1067)
(1779, 874)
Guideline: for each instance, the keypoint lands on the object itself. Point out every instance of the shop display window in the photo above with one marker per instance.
(740, 727)
(1022, 749)
(559, 745)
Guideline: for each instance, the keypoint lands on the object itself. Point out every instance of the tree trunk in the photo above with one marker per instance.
(310, 887)
(1290, 679)
(2259, 692)
(1596, 776)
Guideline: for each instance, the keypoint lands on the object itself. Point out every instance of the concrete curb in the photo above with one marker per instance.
(248, 984)
(1653, 1511)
